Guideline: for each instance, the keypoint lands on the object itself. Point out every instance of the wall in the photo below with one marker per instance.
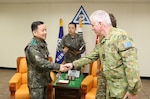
(16, 19)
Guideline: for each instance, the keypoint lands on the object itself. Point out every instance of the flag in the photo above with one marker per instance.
(59, 55)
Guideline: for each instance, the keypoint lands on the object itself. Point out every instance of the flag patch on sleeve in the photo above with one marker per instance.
(127, 44)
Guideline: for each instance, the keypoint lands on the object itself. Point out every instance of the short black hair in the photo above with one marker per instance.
(73, 23)
(35, 24)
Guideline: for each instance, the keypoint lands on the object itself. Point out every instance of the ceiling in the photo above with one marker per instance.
(74, 1)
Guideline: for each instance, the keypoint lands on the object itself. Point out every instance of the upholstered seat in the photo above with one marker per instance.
(89, 83)
(18, 83)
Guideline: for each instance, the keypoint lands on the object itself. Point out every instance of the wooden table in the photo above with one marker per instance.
(70, 90)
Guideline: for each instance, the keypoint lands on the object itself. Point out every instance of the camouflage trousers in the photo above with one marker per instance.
(101, 86)
(38, 93)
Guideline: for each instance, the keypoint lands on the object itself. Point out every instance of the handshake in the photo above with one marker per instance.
(66, 67)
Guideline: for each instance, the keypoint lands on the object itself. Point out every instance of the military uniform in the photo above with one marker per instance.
(118, 57)
(38, 68)
(74, 44)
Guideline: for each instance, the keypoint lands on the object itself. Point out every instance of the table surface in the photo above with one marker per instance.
(72, 83)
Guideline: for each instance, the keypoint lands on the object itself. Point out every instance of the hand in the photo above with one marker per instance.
(65, 49)
(77, 52)
(69, 65)
(130, 96)
(63, 68)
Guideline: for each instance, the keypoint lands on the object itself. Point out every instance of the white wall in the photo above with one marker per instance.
(15, 21)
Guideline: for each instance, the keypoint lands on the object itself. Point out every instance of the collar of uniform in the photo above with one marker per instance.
(100, 39)
(108, 36)
(42, 43)
(75, 34)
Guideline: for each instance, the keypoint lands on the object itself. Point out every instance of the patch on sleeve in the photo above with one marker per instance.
(127, 45)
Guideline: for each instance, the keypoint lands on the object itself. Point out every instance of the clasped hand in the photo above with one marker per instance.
(65, 67)
(130, 96)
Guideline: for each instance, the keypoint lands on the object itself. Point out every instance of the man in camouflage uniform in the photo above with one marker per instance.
(118, 57)
(38, 64)
(101, 83)
(71, 44)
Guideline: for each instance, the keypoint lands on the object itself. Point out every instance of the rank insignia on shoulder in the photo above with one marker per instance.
(33, 42)
(123, 37)
(127, 44)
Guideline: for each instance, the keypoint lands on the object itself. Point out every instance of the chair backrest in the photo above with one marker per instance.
(50, 59)
(93, 72)
(22, 67)
(93, 68)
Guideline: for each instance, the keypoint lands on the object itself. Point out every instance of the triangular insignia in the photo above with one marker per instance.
(81, 14)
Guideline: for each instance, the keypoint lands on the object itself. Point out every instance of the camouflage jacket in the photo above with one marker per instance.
(118, 57)
(74, 44)
(38, 65)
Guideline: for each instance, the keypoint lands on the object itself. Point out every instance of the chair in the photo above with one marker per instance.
(18, 83)
(89, 83)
